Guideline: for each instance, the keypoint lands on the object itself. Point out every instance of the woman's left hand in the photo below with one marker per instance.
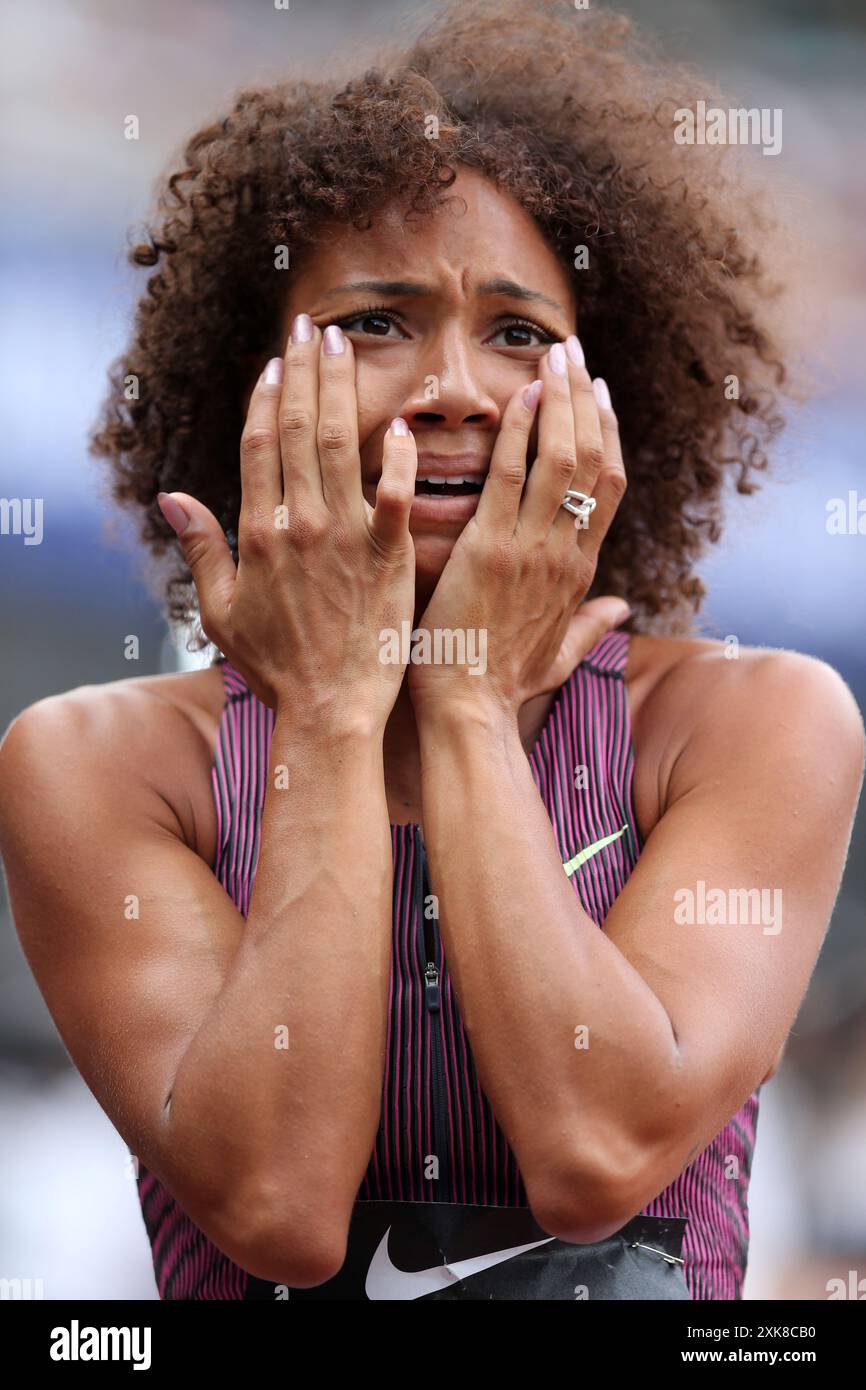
(515, 581)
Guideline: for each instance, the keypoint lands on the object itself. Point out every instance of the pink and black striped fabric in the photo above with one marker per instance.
(583, 766)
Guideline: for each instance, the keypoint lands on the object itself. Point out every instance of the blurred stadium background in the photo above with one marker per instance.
(72, 72)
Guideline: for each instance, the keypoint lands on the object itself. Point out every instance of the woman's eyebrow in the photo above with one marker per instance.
(402, 288)
(515, 291)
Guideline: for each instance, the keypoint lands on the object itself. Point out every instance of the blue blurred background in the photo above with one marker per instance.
(73, 72)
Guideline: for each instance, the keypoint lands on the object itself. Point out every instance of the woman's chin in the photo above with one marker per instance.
(431, 557)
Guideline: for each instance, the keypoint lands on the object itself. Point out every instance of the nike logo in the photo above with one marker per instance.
(385, 1280)
(590, 850)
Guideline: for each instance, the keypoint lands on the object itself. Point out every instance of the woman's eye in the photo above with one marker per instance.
(521, 335)
(375, 325)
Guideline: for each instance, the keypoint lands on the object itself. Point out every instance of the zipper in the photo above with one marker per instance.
(433, 1005)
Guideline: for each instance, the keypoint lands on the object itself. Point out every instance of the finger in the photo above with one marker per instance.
(337, 432)
(588, 440)
(611, 483)
(553, 469)
(298, 416)
(207, 554)
(396, 488)
(499, 505)
(261, 471)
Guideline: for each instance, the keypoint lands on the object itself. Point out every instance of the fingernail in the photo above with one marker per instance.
(531, 394)
(556, 357)
(173, 512)
(399, 426)
(574, 350)
(302, 329)
(334, 340)
(273, 373)
(601, 393)
(625, 617)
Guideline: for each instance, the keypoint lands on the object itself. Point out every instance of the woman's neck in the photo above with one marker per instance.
(402, 756)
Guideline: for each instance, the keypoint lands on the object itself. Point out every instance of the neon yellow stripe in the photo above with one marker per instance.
(590, 850)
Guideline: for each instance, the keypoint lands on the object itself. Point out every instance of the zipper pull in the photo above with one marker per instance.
(431, 986)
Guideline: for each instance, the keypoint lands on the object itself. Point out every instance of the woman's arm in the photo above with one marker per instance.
(241, 1063)
(759, 765)
(762, 760)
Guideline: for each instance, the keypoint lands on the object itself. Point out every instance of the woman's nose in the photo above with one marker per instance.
(450, 389)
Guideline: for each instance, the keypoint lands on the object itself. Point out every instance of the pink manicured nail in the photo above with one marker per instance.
(334, 340)
(273, 373)
(173, 512)
(302, 329)
(601, 393)
(531, 394)
(574, 350)
(556, 357)
(399, 426)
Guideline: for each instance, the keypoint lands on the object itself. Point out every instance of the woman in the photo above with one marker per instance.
(324, 918)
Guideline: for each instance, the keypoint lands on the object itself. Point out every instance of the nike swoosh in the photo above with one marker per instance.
(386, 1281)
(590, 850)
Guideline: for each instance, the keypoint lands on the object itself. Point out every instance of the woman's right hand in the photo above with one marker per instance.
(320, 573)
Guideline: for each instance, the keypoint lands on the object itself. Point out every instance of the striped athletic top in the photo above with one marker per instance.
(432, 1103)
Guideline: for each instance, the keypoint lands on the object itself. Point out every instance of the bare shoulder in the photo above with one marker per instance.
(109, 741)
(703, 703)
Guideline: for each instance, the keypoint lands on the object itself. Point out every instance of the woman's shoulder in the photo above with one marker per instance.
(134, 709)
(114, 737)
(724, 700)
(669, 670)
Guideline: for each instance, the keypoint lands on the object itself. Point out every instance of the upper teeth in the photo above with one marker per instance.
(439, 478)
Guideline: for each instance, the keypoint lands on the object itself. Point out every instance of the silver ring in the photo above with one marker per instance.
(579, 503)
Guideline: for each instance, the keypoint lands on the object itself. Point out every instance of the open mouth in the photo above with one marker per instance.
(452, 487)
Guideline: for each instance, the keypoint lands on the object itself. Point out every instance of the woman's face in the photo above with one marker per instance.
(446, 320)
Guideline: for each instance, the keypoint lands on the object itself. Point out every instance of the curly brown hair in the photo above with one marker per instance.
(573, 116)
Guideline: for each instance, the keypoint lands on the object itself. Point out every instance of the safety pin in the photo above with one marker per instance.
(671, 1259)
